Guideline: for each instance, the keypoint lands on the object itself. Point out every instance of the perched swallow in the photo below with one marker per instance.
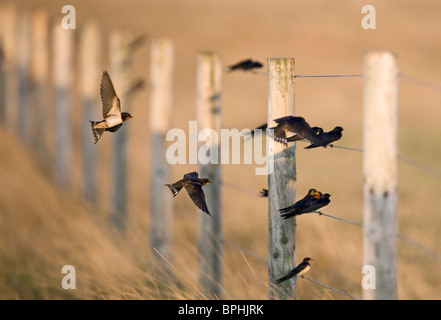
(298, 271)
(302, 205)
(296, 125)
(321, 202)
(325, 138)
(310, 204)
(193, 184)
(264, 193)
(113, 117)
(245, 65)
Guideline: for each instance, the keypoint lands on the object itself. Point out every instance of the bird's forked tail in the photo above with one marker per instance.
(175, 190)
(97, 132)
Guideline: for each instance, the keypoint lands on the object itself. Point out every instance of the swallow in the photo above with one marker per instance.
(296, 125)
(193, 184)
(326, 138)
(301, 205)
(113, 117)
(293, 138)
(321, 202)
(245, 65)
(313, 204)
(264, 193)
(296, 137)
(261, 127)
(298, 271)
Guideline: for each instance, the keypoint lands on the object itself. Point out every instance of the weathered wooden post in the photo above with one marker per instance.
(90, 79)
(161, 104)
(121, 76)
(281, 181)
(63, 48)
(380, 172)
(8, 22)
(39, 87)
(23, 66)
(209, 72)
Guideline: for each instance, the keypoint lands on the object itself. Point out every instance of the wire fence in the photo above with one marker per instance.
(434, 172)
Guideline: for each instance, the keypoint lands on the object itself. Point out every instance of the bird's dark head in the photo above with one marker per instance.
(205, 181)
(326, 196)
(338, 129)
(126, 116)
(312, 192)
(307, 259)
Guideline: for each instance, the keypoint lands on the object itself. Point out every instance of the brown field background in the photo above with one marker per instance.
(43, 228)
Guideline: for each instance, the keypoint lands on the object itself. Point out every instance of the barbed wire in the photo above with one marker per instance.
(331, 288)
(239, 188)
(421, 82)
(254, 255)
(354, 75)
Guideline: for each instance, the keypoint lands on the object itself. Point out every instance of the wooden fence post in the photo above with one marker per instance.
(23, 64)
(121, 76)
(209, 72)
(161, 104)
(63, 47)
(39, 87)
(8, 21)
(90, 75)
(380, 172)
(281, 181)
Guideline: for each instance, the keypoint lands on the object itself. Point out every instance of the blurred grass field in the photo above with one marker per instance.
(43, 228)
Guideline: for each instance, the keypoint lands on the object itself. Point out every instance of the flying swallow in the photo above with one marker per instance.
(113, 117)
(298, 271)
(245, 65)
(296, 137)
(296, 125)
(326, 138)
(293, 138)
(300, 206)
(193, 184)
(261, 127)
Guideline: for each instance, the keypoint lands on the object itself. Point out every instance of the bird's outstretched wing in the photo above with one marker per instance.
(296, 125)
(111, 103)
(197, 195)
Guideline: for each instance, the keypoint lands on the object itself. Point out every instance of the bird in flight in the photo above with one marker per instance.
(245, 65)
(193, 184)
(298, 271)
(313, 201)
(113, 117)
(326, 138)
(297, 126)
(293, 138)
